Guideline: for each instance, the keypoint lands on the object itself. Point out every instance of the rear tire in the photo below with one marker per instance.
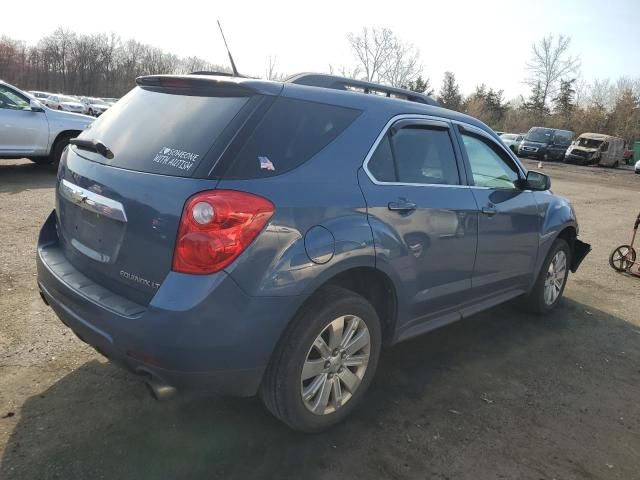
(58, 147)
(549, 286)
(284, 383)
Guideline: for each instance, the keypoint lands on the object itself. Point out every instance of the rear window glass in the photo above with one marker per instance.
(290, 133)
(154, 132)
(381, 163)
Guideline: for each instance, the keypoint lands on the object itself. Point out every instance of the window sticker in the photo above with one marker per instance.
(265, 164)
(176, 158)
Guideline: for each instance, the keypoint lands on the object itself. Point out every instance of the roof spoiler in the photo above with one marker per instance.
(194, 85)
(341, 83)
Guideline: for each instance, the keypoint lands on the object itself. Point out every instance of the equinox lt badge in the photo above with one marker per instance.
(139, 280)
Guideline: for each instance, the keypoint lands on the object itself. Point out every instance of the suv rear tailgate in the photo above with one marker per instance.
(122, 187)
(129, 253)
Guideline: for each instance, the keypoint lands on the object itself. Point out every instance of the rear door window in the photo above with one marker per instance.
(415, 154)
(289, 134)
(158, 132)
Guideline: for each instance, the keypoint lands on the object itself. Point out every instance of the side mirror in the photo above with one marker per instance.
(36, 106)
(536, 181)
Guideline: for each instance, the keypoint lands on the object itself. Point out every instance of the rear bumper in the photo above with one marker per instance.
(198, 332)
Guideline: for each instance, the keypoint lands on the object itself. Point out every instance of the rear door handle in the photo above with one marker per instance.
(402, 206)
(489, 211)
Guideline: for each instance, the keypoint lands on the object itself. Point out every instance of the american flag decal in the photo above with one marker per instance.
(265, 164)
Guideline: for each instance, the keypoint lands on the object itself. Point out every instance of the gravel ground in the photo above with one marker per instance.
(499, 395)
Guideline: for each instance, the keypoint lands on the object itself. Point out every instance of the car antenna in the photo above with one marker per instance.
(233, 64)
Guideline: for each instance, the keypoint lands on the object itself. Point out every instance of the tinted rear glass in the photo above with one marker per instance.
(290, 133)
(157, 132)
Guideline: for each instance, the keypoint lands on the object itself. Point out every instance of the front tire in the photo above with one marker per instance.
(549, 286)
(325, 361)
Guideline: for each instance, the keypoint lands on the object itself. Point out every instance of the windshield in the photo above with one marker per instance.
(508, 136)
(542, 135)
(67, 99)
(589, 142)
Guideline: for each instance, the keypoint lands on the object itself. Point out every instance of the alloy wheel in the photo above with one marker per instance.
(335, 365)
(556, 276)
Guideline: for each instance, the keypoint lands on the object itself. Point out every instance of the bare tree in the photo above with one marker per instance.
(550, 61)
(384, 58)
(270, 73)
(346, 72)
(403, 65)
(372, 47)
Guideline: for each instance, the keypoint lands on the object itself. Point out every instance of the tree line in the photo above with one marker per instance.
(105, 65)
(558, 97)
(99, 65)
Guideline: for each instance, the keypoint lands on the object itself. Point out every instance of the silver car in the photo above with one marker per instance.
(31, 130)
(63, 102)
(512, 140)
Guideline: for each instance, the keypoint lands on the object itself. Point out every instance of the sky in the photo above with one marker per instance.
(486, 41)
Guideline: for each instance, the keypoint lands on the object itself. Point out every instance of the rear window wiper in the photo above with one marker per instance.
(93, 146)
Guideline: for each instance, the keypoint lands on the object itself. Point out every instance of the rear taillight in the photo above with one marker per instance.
(217, 226)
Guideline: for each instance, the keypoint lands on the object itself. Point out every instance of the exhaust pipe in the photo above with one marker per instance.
(160, 391)
(157, 388)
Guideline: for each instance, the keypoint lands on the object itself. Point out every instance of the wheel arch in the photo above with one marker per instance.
(373, 284)
(69, 133)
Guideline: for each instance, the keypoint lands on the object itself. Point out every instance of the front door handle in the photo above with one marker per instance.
(402, 206)
(489, 211)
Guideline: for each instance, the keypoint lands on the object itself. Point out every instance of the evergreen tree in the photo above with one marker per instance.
(420, 85)
(450, 96)
(486, 105)
(564, 102)
(536, 103)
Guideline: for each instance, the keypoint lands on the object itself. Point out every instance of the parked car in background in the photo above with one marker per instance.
(637, 166)
(512, 140)
(545, 143)
(628, 155)
(94, 106)
(30, 130)
(40, 96)
(109, 101)
(271, 236)
(596, 148)
(66, 103)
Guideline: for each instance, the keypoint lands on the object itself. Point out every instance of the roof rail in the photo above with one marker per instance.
(341, 83)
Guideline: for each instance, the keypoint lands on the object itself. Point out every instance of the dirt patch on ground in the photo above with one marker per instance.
(500, 395)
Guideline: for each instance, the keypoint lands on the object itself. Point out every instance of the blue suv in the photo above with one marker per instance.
(252, 237)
